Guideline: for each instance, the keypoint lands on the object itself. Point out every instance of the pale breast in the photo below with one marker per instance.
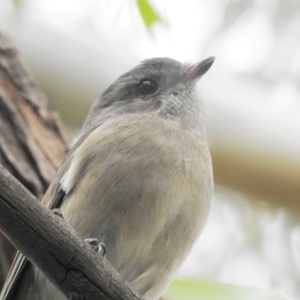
(144, 191)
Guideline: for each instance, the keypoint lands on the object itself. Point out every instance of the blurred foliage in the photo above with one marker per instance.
(149, 15)
(17, 3)
(198, 289)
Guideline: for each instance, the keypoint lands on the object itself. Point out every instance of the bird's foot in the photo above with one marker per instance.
(99, 248)
(57, 212)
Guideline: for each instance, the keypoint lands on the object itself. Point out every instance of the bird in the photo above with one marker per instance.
(139, 179)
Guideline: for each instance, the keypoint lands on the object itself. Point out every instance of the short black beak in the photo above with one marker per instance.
(199, 70)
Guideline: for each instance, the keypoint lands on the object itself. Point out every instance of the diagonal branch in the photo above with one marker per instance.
(54, 247)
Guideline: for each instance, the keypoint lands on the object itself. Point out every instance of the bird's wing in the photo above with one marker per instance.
(15, 271)
(52, 199)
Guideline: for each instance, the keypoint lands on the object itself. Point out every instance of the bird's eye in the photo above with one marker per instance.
(147, 87)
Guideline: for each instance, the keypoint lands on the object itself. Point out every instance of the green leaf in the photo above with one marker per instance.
(196, 289)
(148, 13)
(17, 3)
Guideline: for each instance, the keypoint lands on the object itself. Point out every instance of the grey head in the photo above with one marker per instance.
(162, 86)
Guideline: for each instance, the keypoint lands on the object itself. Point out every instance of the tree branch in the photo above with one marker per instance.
(55, 248)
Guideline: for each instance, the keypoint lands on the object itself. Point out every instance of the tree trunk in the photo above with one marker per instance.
(32, 145)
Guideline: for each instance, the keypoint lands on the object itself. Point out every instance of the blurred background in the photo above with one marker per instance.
(250, 248)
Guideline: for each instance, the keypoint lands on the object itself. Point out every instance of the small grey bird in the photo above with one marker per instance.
(139, 179)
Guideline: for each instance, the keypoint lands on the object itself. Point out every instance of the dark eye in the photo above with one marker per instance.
(147, 87)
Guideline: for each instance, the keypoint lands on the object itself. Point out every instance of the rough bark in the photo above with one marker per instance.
(32, 145)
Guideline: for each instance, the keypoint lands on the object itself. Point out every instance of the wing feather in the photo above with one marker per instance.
(53, 199)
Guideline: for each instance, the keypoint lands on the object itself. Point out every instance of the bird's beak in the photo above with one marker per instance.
(198, 70)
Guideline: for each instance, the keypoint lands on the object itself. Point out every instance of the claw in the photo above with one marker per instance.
(99, 248)
(57, 212)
